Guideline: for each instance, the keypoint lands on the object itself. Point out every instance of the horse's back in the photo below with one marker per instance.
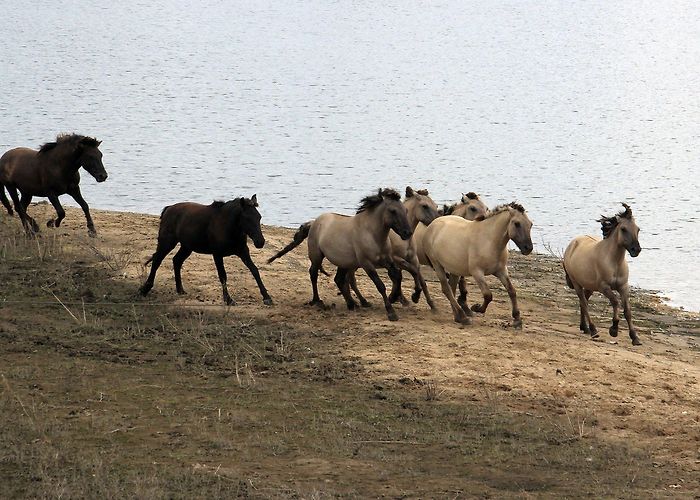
(13, 159)
(331, 235)
(186, 221)
(580, 261)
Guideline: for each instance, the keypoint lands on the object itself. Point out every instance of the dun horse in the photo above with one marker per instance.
(595, 265)
(470, 207)
(420, 208)
(220, 229)
(51, 172)
(478, 248)
(353, 242)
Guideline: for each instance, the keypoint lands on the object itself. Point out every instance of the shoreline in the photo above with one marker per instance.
(255, 392)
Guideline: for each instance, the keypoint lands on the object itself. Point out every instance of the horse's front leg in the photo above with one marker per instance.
(267, 300)
(77, 196)
(396, 294)
(485, 291)
(60, 213)
(508, 284)
(352, 282)
(219, 261)
(625, 296)
(26, 200)
(374, 276)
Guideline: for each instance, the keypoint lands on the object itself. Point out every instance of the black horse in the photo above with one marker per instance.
(220, 229)
(51, 172)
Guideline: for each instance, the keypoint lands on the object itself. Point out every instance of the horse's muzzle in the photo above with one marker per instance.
(634, 251)
(101, 178)
(259, 243)
(526, 249)
(406, 234)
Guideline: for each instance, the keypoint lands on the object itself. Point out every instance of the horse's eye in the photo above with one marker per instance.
(624, 230)
(517, 224)
(472, 209)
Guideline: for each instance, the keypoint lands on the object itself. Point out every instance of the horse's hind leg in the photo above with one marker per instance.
(420, 284)
(26, 200)
(625, 296)
(313, 275)
(485, 291)
(29, 228)
(178, 259)
(267, 300)
(6, 203)
(585, 325)
(219, 261)
(60, 213)
(454, 280)
(462, 299)
(459, 315)
(164, 248)
(508, 284)
(396, 294)
(615, 303)
(342, 280)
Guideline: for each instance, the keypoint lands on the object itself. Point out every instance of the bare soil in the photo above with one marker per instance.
(104, 393)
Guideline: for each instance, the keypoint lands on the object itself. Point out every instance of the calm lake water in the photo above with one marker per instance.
(566, 106)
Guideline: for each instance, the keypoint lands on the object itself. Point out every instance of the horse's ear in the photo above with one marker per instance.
(409, 191)
(254, 199)
(98, 143)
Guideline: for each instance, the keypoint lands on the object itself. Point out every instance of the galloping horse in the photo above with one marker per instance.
(478, 248)
(420, 208)
(595, 265)
(51, 172)
(220, 229)
(351, 242)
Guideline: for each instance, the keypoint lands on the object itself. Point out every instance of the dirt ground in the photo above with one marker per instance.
(106, 393)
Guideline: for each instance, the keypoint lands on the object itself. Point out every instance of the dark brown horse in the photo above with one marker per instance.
(51, 172)
(220, 229)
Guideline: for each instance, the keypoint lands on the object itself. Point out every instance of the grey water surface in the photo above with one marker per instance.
(568, 107)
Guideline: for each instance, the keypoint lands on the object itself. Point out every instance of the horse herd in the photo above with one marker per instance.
(464, 239)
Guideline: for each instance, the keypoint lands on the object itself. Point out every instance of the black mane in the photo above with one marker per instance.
(448, 209)
(69, 139)
(472, 195)
(608, 224)
(374, 200)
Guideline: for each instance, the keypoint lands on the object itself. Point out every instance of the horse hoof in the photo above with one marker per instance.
(636, 341)
(477, 308)
(415, 297)
(92, 232)
(613, 331)
(466, 320)
(230, 302)
(518, 324)
(50, 223)
(594, 335)
(267, 301)
(393, 316)
(352, 305)
(181, 291)
(317, 303)
(143, 291)
(366, 304)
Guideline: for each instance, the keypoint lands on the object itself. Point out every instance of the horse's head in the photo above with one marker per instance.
(474, 208)
(623, 229)
(250, 220)
(420, 206)
(90, 157)
(519, 228)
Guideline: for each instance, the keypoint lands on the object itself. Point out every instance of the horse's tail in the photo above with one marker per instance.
(4, 200)
(301, 234)
(162, 212)
(568, 278)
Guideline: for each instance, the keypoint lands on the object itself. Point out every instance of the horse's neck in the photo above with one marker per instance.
(612, 250)
(374, 222)
(63, 161)
(412, 219)
(496, 228)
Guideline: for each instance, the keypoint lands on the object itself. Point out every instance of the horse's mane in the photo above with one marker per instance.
(374, 200)
(504, 207)
(71, 139)
(472, 195)
(608, 224)
(448, 209)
